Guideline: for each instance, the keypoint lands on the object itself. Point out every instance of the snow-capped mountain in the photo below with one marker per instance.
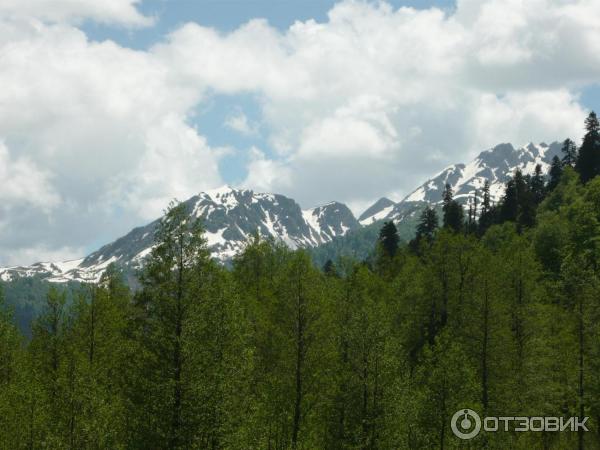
(377, 211)
(495, 165)
(230, 217)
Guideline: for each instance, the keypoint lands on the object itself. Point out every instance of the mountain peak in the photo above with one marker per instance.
(220, 193)
(230, 217)
(495, 165)
(377, 210)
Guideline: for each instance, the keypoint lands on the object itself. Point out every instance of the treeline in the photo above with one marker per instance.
(496, 311)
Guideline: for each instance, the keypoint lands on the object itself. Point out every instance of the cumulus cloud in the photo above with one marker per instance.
(399, 92)
(368, 103)
(24, 183)
(267, 175)
(97, 139)
(121, 12)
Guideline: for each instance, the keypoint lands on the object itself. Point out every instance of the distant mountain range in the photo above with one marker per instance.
(495, 165)
(231, 216)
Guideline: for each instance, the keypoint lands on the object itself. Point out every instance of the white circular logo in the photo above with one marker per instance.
(466, 424)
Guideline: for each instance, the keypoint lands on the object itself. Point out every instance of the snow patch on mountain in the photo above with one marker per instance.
(230, 218)
(378, 211)
(496, 165)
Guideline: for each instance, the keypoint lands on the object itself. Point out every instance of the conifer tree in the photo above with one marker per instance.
(588, 161)
(486, 202)
(518, 203)
(537, 185)
(510, 202)
(470, 214)
(486, 216)
(329, 268)
(556, 170)
(569, 150)
(428, 224)
(389, 239)
(471, 226)
(453, 212)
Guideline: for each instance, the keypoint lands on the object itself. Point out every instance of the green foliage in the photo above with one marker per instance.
(588, 161)
(556, 170)
(358, 244)
(275, 353)
(453, 211)
(27, 297)
(389, 239)
(569, 150)
(426, 229)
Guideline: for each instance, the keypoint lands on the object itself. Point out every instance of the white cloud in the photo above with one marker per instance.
(390, 96)
(41, 253)
(239, 122)
(177, 161)
(24, 183)
(121, 12)
(369, 103)
(107, 130)
(551, 114)
(266, 175)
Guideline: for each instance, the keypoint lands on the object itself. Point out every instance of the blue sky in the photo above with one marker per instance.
(227, 15)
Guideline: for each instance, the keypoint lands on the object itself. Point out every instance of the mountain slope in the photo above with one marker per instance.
(495, 165)
(378, 210)
(230, 217)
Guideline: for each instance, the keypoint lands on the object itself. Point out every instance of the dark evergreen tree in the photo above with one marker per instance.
(509, 208)
(486, 215)
(329, 268)
(447, 195)
(486, 202)
(453, 211)
(470, 214)
(588, 161)
(428, 223)
(569, 150)
(556, 170)
(518, 204)
(426, 228)
(389, 239)
(537, 185)
(471, 226)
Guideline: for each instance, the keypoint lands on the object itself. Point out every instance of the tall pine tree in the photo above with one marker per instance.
(556, 170)
(588, 162)
(389, 239)
(569, 150)
(453, 212)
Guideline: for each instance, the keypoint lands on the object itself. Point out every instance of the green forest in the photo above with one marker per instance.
(493, 307)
